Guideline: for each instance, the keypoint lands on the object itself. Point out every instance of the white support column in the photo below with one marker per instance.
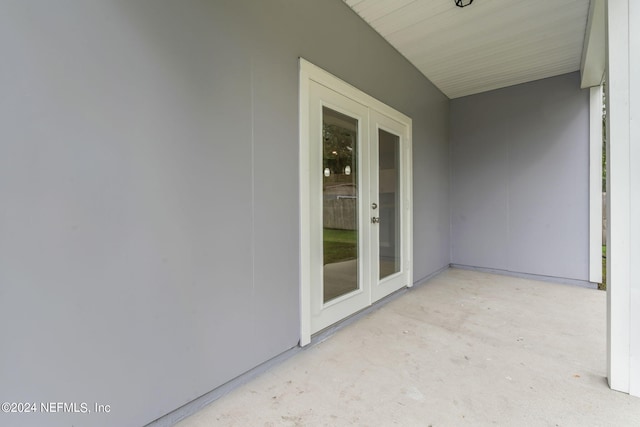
(623, 176)
(634, 195)
(595, 185)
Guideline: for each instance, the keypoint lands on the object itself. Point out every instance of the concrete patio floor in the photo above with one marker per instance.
(465, 348)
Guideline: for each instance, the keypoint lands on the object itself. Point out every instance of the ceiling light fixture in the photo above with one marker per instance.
(463, 3)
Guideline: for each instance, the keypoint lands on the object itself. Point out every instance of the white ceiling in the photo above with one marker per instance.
(487, 45)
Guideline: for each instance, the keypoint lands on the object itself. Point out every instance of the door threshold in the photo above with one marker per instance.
(327, 332)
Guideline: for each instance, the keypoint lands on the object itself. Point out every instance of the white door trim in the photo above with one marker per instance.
(308, 73)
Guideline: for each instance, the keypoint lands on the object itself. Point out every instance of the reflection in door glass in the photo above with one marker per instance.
(389, 196)
(340, 203)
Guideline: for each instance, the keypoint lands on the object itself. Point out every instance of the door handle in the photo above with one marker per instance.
(375, 220)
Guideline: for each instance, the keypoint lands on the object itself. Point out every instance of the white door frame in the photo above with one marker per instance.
(308, 73)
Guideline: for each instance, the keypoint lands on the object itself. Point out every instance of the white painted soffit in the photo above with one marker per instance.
(487, 45)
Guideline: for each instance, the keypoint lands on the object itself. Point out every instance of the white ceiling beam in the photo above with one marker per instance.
(593, 53)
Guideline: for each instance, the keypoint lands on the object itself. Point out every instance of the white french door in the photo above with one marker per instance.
(355, 200)
(390, 194)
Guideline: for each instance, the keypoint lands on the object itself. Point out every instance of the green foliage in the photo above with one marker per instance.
(604, 139)
(339, 245)
(603, 286)
(338, 148)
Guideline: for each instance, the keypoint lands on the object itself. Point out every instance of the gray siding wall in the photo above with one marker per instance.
(149, 191)
(520, 179)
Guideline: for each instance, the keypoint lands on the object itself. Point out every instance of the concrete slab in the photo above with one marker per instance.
(466, 348)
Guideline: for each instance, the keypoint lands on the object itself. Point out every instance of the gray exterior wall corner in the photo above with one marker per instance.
(520, 179)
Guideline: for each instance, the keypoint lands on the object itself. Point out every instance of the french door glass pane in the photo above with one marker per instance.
(340, 203)
(389, 197)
